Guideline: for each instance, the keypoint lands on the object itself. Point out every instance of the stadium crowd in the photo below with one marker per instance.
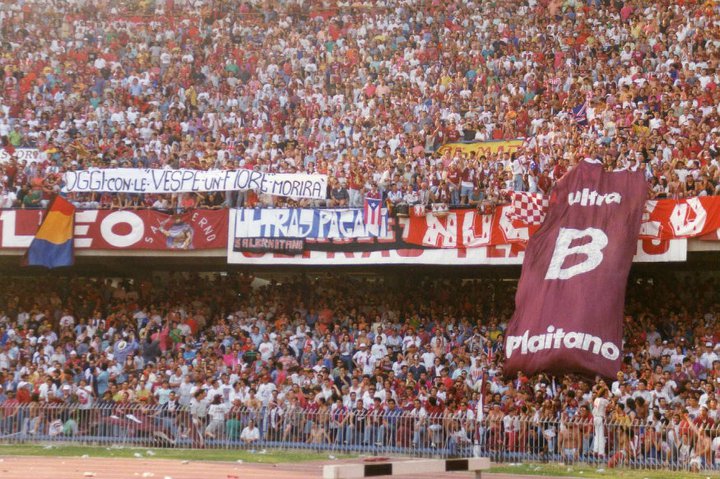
(348, 361)
(364, 91)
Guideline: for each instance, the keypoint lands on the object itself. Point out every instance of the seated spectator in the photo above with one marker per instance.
(250, 434)
(339, 196)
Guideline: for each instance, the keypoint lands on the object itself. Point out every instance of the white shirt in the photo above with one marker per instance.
(646, 395)
(418, 413)
(250, 434)
(7, 199)
(428, 359)
(669, 388)
(517, 167)
(266, 350)
(411, 341)
(264, 392)
(185, 391)
(368, 400)
(46, 392)
(198, 409)
(511, 423)
(657, 395)
(599, 406)
(707, 359)
(677, 358)
(217, 412)
(379, 351)
(363, 359)
(655, 350)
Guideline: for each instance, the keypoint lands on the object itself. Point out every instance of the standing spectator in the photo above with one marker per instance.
(198, 415)
(599, 411)
(217, 411)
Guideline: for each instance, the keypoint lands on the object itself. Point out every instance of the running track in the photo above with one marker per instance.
(25, 467)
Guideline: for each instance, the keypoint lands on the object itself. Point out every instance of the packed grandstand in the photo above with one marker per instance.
(454, 103)
(344, 363)
(365, 92)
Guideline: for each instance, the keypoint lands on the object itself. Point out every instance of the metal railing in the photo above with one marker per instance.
(678, 445)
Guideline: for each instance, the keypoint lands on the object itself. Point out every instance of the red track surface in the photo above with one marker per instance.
(15, 467)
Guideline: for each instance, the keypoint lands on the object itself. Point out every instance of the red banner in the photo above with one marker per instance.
(666, 219)
(125, 229)
(569, 304)
(713, 236)
(465, 228)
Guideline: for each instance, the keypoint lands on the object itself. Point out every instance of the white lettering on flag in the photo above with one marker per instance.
(592, 251)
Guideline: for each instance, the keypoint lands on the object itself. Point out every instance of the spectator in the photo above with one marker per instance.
(250, 434)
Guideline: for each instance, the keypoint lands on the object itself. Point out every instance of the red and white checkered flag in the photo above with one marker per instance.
(529, 208)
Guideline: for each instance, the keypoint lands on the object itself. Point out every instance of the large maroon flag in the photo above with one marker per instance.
(569, 304)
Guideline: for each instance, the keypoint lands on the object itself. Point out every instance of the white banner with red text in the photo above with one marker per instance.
(28, 155)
